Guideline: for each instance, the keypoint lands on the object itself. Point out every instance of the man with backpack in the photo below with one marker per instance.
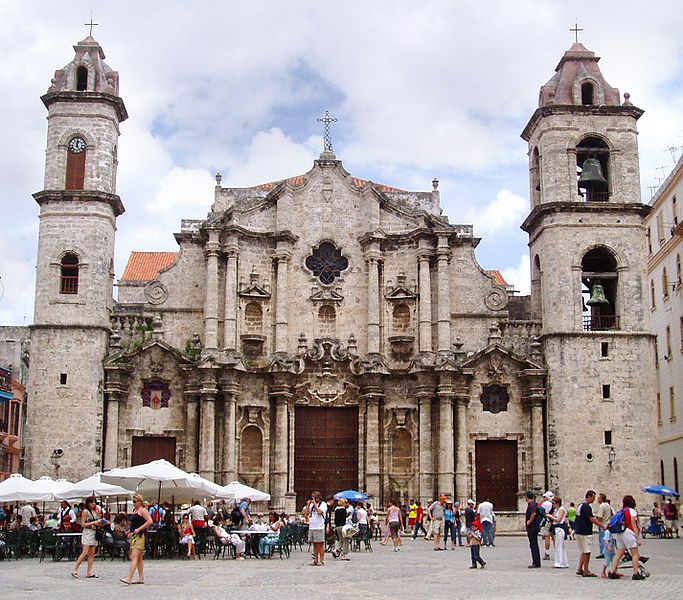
(157, 514)
(583, 528)
(533, 525)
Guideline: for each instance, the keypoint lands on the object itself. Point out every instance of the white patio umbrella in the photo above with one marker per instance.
(91, 486)
(239, 491)
(17, 488)
(51, 486)
(162, 481)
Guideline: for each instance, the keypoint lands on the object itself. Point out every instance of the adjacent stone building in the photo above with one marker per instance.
(665, 247)
(328, 332)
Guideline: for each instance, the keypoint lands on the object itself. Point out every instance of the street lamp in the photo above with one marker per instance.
(611, 456)
(55, 459)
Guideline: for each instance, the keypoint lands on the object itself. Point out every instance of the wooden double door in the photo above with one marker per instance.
(325, 450)
(152, 447)
(496, 467)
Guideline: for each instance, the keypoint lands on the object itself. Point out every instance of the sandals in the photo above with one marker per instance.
(93, 576)
(74, 575)
(124, 580)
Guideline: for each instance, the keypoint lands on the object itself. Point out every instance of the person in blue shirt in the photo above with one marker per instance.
(449, 525)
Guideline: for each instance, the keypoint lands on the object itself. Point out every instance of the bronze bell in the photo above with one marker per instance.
(591, 177)
(597, 296)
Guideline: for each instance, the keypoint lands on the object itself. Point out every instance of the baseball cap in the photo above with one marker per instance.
(470, 501)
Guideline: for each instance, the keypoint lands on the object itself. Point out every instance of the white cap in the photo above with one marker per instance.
(549, 495)
(470, 501)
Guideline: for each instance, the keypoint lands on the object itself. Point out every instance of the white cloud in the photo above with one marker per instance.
(505, 212)
(519, 276)
(181, 188)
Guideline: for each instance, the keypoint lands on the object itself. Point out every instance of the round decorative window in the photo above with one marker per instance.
(326, 262)
(76, 145)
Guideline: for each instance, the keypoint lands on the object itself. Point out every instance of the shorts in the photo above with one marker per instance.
(671, 523)
(437, 526)
(626, 540)
(545, 530)
(393, 528)
(411, 521)
(316, 536)
(584, 543)
(137, 541)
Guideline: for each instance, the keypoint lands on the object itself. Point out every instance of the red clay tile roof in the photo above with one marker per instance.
(381, 186)
(145, 266)
(498, 276)
(296, 180)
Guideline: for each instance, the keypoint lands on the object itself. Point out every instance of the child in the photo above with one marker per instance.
(474, 542)
(609, 551)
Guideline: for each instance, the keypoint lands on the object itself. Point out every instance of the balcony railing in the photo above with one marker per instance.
(600, 322)
(69, 284)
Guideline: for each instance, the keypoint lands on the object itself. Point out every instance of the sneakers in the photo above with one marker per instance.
(546, 556)
(638, 577)
(473, 567)
(483, 564)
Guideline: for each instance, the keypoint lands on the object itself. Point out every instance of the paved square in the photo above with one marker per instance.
(413, 573)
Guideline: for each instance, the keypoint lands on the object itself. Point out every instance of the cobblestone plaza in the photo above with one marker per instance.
(413, 573)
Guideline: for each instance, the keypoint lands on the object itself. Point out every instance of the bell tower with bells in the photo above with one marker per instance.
(74, 271)
(588, 252)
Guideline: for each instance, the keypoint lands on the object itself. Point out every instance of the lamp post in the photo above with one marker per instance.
(55, 459)
(611, 456)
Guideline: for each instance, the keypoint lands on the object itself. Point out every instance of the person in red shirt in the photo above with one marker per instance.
(418, 521)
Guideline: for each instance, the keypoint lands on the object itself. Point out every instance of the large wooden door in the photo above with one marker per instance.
(151, 447)
(496, 466)
(325, 450)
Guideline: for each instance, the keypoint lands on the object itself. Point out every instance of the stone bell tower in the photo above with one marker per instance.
(74, 272)
(588, 255)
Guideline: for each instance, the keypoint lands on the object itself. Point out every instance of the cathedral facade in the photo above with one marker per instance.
(328, 332)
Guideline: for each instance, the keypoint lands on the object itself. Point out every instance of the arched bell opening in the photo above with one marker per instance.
(587, 93)
(599, 282)
(592, 161)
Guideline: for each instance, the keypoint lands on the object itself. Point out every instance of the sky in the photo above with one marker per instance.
(435, 88)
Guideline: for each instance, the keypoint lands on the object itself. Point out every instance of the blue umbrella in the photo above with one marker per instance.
(350, 495)
(661, 490)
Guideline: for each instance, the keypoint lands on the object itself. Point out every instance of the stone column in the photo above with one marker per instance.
(373, 395)
(372, 259)
(211, 300)
(443, 252)
(282, 301)
(230, 322)
(228, 433)
(207, 435)
(280, 392)
(424, 395)
(192, 431)
(446, 394)
(111, 437)
(425, 303)
(462, 402)
(537, 451)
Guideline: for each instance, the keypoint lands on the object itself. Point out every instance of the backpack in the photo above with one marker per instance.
(354, 516)
(156, 515)
(617, 524)
(542, 517)
(236, 516)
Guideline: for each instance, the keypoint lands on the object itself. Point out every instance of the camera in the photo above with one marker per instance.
(58, 452)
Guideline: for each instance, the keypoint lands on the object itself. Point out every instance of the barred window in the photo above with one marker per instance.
(69, 274)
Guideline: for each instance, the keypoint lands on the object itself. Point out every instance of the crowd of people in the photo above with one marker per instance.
(332, 525)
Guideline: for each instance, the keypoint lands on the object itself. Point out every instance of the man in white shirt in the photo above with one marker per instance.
(547, 505)
(26, 512)
(198, 515)
(486, 517)
(362, 516)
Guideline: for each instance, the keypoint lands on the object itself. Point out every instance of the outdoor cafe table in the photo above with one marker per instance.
(67, 540)
(253, 539)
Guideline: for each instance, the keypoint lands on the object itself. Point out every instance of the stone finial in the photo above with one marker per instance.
(157, 327)
(494, 334)
(115, 340)
(435, 184)
(218, 178)
(627, 99)
(303, 344)
(351, 344)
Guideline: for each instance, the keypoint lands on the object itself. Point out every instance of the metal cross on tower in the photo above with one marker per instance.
(327, 136)
(91, 24)
(576, 30)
